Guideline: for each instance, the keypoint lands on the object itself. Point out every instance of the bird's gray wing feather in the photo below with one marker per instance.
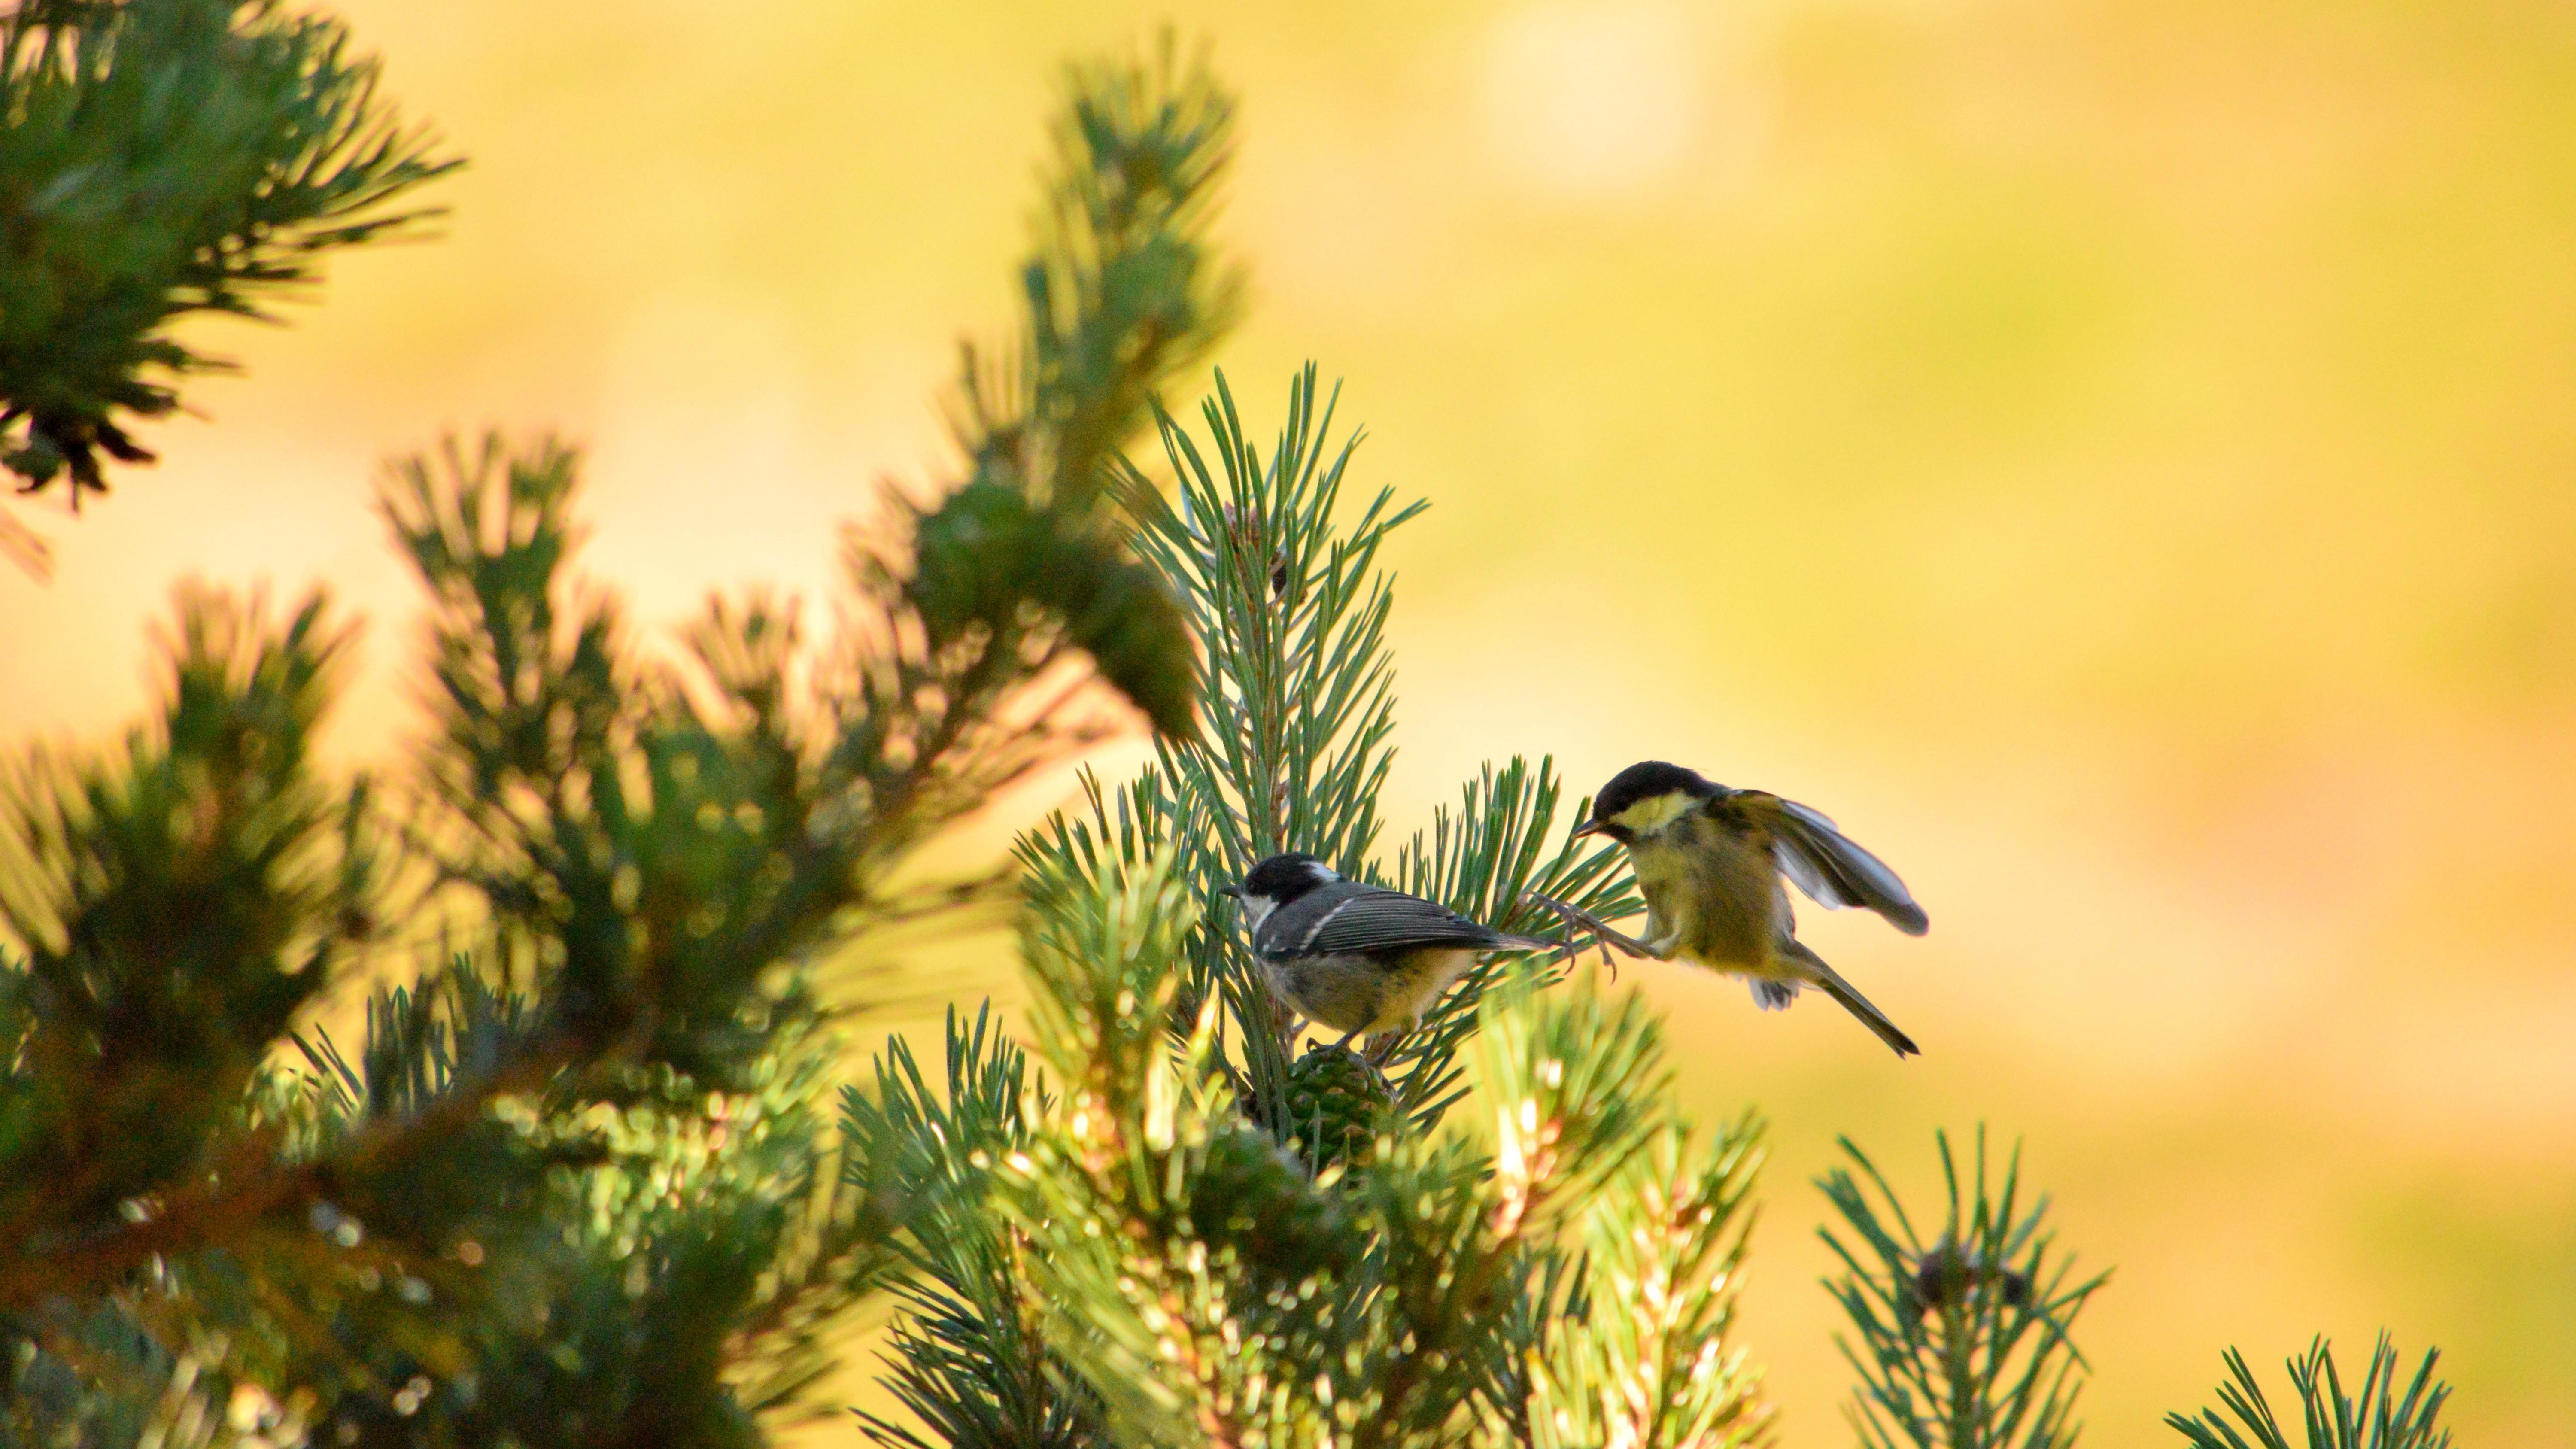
(1821, 861)
(1377, 919)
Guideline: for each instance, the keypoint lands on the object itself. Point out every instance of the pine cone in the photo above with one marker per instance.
(1334, 1102)
(1946, 1273)
(1252, 1195)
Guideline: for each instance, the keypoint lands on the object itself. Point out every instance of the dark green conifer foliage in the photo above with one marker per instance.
(2380, 1416)
(578, 1182)
(160, 158)
(1961, 1341)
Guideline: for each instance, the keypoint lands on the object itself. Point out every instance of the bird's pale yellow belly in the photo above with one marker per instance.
(1715, 898)
(1367, 995)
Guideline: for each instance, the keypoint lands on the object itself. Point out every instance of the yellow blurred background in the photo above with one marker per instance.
(2116, 456)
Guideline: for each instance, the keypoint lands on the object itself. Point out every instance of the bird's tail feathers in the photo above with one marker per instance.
(1833, 985)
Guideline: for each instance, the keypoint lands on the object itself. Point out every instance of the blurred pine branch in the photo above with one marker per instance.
(162, 158)
(1961, 1342)
(578, 1180)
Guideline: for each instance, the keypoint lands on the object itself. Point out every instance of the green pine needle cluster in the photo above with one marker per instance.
(161, 158)
(1966, 1339)
(2380, 1416)
(970, 1362)
(1961, 1342)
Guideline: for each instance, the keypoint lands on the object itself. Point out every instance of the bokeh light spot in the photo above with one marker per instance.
(1586, 101)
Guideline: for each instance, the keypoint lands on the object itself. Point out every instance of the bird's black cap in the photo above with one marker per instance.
(1647, 779)
(1283, 878)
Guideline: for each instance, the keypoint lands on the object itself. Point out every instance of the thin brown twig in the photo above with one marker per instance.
(256, 1185)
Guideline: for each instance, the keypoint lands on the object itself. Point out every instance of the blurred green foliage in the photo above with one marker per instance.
(162, 158)
(578, 1181)
(1961, 1341)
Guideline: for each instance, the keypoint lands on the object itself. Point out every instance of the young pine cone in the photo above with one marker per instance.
(1946, 1275)
(1334, 1104)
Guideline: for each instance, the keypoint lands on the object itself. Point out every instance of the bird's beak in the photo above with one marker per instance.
(1588, 827)
(1231, 892)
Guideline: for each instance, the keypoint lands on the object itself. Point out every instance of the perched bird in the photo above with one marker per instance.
(1355, 957)
(1709, 861)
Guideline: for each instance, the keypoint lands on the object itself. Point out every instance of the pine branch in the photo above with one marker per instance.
(1208, 1287)
(1656, 1365)
(648, 847)
(251, 1188)
(1576, 1087)
(1113, 1191)
(1290, 611)
(1122, 290)
(1963, 1342)
(2380, 1416)
(969, 1359)
(163, 158)
(1297, 682)
(1297, 685)
(176, 903)
(1576, 1091)
(1490, 863)
(678, 1262)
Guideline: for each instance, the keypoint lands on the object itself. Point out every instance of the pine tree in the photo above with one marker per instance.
(1182, 1232)
(579, 1182)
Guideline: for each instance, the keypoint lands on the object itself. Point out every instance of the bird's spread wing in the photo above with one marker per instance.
(1377, 919)
(1822, 862)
